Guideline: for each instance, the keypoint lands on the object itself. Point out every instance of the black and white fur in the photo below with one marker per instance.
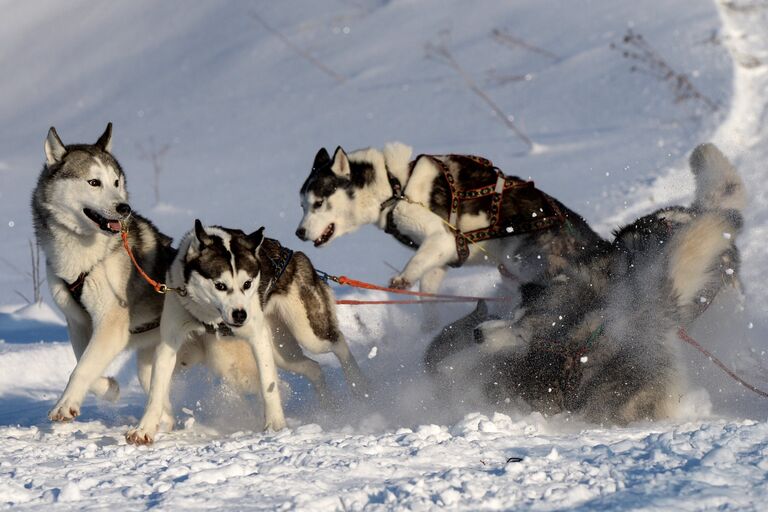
(233, 283)
(350, 190)
(600, 338)
(77, 206)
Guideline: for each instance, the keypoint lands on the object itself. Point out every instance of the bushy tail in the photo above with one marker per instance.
(703, 256)
(718, 184)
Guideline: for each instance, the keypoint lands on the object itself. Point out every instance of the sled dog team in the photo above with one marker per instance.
(593, 333)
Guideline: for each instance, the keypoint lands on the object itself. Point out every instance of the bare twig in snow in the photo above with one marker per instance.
(442, 53)
(154, 155)
(34, 274)
(505, 38)
(648, 61)
(298, 50)
(500, 79)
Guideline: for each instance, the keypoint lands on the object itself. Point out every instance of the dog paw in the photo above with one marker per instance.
(399, 283)
(274, 424)
(64, 410)
(140, 436)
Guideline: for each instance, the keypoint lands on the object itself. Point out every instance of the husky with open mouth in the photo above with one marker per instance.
(501, 219)
(79, 206)
(252, 288)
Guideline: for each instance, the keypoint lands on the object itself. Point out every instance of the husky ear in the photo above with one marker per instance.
(340, 165)
(256, 238)
(481, 309)
(201, 235)
(105, 141)
(322, 159)
(54, 148)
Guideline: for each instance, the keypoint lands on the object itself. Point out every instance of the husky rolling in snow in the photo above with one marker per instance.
(415, 201)
(78, 206)
(600, 339)
(253, 288)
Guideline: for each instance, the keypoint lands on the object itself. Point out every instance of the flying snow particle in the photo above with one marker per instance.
(373, 352)
(727, 236)
(584, 359)
(729, 271)
(11, 224)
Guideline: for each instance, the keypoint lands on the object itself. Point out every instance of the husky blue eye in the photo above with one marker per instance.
(246, 285)
(94, 183)
(221, 287)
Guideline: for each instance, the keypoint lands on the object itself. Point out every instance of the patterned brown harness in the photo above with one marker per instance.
(543, 211)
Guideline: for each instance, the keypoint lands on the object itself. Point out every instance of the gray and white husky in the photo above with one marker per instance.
(411, 199)
(600, 338)
(78, 206)
(253, 288)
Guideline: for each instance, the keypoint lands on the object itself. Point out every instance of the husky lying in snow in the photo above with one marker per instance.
(600, 338)
(527, 230)
(253, 288)
(78, 206)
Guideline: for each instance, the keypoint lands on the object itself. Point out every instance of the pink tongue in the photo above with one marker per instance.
(114, 225)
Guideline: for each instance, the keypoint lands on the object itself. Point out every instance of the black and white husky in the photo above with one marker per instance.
(507, 218)
(254, 289)
(600, 337)
(78, 206)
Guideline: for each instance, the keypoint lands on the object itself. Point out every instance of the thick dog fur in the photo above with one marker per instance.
(244, 285)
(349, 190)
(112, 308)
(77, 203)
(599, 339)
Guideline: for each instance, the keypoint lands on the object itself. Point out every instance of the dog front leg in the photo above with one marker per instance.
(173, 332)
(80, 331)
(437, 251)
(261, 344)
(110, 337)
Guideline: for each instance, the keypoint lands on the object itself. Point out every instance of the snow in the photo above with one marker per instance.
(244, 115)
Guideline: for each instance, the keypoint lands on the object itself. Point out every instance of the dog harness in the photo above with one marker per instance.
(542, 212)
(75, 289)
(279, 264)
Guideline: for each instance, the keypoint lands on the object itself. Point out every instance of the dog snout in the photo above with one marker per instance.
(239, 316)
(478, 333)
(301, 233)
(123, 209)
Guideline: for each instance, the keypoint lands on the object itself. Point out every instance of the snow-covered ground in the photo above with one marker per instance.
(243, 114)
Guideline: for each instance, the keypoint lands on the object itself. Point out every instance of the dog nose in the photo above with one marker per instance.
(302, 234)
(239, 316)
(478, 333)
(123, 209)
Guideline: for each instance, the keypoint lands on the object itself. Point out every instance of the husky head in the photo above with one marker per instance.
(221, 272)
(82, 186)
(333, 197)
